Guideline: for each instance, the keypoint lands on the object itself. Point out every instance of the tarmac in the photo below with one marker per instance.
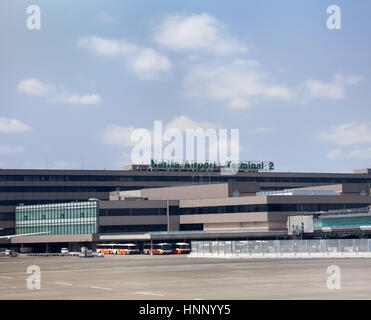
(142, 277)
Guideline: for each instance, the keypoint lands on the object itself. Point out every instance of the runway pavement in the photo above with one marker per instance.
(178, 277)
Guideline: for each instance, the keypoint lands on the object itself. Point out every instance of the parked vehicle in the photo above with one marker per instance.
(158, 248)
(11, 253)
(182, 248)
(120, 248)
(86, 253)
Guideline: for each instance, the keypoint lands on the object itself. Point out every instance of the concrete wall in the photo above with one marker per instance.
(205, 191)
(219, 190)
(56, 238)
(131, 220)
(345, 188)
(140, 204)
(268, 220)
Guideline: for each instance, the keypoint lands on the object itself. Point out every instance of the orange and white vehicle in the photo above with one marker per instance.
(182, 248)
(120, 249)
(130, 248)
(158, 248)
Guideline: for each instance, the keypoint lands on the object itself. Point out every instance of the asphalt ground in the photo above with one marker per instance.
(179, 277)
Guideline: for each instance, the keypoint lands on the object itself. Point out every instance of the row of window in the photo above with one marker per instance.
(173, 210)
(58, 189)
(270, 207)
(342, 222)
(132, 212)
(54, 213)
(7, 216)
(186, 178)
(312, 207)
(191, 227)
(7, 231)
(76, 228)
(133, 228)
(148, 228)
(37, 202)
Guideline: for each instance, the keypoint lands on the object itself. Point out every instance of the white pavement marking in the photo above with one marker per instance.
(101, 288)
(6, 277)
(63, 283)
(150, 293)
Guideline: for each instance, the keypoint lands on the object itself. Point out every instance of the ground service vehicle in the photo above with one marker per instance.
(11, 253)
(86, 253)
(158, 248)
(182, 248)
(119, 248)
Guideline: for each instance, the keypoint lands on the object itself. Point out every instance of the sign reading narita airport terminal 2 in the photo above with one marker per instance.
(209, 165)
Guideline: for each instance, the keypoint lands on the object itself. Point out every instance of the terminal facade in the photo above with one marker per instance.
(139, 204)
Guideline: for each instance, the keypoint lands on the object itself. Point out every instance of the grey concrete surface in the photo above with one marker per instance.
(178, 277)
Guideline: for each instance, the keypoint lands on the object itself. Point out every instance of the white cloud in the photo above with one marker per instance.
(183, 123)
(62, 164)
(106, 18)
(121, 136)
(241, 84)
(106, 47)
(34, 87)
(10, 150)
(118, 136)
(357, 154)
(122, 161)
(145, 62)
(238, 84)
(335, 154)
(348, 133)
(364, 154)
(197, 32)
(13, 126)
(239, 103)
(261, 130)
(334, 89)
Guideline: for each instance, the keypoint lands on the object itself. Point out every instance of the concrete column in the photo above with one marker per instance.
(278, 247)
(354, 245)
(168, 215)
(93, 246)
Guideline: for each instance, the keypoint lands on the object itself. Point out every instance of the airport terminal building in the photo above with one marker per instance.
(139, 204)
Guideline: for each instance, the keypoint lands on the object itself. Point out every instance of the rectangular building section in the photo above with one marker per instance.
(58, 218)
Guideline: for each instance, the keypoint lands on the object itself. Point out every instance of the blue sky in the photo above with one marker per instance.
(71, 92)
